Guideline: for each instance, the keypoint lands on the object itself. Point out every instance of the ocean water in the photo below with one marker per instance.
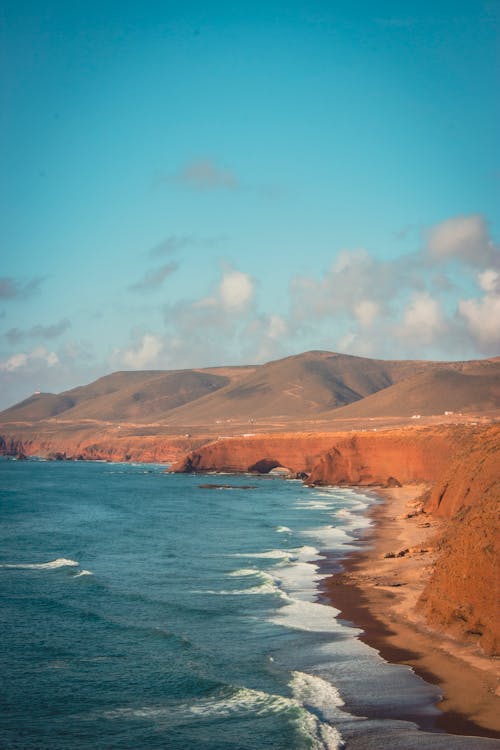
(142, 611)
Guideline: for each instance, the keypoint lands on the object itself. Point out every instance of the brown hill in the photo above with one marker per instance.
(467, 387)
(122, 396)
(311, 385)
(294, 387)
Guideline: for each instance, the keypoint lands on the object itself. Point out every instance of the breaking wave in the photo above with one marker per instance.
(61, 562)
(241, 703)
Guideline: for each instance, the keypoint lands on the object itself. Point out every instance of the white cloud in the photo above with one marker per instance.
(24, 360)
(482, 316)
(144, 354)
(236, 291)
(353, 278)
(277, 327)
(14, 362)
(366, 311)
(423, 319)
(463, 237)
(489, 280)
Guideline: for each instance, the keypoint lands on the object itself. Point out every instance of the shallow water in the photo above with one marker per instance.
(141, 611)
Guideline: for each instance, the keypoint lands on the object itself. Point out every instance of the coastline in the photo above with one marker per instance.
(380, 594)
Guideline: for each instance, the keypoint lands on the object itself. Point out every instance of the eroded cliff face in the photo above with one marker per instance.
(405, 455)
(463, 593)
(144, 448)
(363, 458)
(298, 452)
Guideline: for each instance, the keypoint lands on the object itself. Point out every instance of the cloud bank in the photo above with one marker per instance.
(441, 301)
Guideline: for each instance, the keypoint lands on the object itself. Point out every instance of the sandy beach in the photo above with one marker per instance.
(379, 593)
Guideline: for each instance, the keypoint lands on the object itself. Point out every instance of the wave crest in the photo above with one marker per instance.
(60, 562)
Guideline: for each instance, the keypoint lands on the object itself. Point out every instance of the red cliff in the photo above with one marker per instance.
(101, 445)
(296, 451)
(463, 593)
(362, 458)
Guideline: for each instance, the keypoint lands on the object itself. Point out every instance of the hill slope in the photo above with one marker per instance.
(121, 396)
(313, 385)
(475, 388)
(295, 387)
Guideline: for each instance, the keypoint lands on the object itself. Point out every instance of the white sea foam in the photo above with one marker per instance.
(273, 554)
(329, 536)
(61, 562)
(313, 505)
(311, 617)
(307, 553)
(315, 692)
(283, 530)
(303, 554)
(351, 520)
(244, 702)
(344, 513)
(83, 573)
(298, 579)
(332, 493)
(318, 734)
(268, 585)
(244, 572)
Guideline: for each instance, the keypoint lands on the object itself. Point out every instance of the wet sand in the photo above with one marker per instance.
(379, 594)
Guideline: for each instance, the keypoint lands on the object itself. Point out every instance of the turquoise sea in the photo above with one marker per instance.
(142, 611)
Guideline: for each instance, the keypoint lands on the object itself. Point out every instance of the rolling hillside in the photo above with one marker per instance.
(473, 388)
(315, 384)
(122, 396)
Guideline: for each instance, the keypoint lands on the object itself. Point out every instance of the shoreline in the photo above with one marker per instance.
(379, 595)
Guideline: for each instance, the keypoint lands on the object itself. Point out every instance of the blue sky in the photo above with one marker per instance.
(188, 184)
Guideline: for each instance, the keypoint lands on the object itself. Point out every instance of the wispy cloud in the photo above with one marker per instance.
(170, 245)
(205, 174)
(175, 243)
(16, 335)
(154, 278)
(11, 288)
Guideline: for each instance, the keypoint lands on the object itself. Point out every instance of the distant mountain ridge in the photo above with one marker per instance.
(314, 384)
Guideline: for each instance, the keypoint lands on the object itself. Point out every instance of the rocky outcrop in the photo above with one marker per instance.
(362, 459)
(298, 452)
(104, 447)
(386, 458)
(463, 593)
